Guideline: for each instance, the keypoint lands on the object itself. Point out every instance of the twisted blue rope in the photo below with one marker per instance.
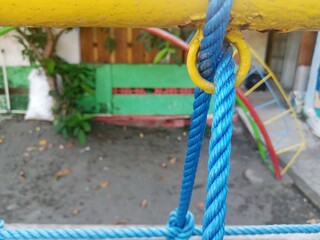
(168, 232)
(220, 148)
(218, 16)
(210, 50)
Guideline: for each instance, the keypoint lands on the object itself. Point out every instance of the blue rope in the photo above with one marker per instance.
(168, 232)
(218, 16)
(220, 149)
(216, 65)
(210, 50)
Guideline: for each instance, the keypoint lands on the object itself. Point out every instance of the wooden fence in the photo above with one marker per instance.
(127, 50)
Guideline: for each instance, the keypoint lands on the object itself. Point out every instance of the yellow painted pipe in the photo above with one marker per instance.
(262, 15)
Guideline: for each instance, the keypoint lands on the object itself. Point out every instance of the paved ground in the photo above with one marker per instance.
(129, 176)
(305, 171)
(284, 133)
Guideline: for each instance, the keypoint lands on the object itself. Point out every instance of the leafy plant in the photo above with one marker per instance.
(165, 48)
(110, 44)
(77, 81)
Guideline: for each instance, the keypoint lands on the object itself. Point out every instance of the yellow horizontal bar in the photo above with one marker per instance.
(293, 159)
(262, 15)
(288, 148)
(277, 117)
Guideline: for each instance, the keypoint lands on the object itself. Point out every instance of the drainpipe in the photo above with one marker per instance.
(5, 82)
(312, 120)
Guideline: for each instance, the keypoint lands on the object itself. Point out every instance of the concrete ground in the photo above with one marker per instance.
(305, 171)
(130, 176)
(284, 133)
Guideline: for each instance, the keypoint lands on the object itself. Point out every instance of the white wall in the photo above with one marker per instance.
(68, 47)
(258, 41)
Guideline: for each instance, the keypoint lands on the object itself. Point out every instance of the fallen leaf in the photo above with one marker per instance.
(30, 149)
(42, 148)
(179, 138)
(63, 173)
(121, 222)
(103, 184)
(200, 205)
(38, 129)
(198, 185)
(144, 203)
(164, 165)
(99, 135)
(26, 154)
(70, 145)
(184, 134)
(1, 139)
(43, 142)
(141, 135)
(313, 221)
(86, 149)
(22, 176)
(75, 211)
(124, 128)
(61, 147)
(172, 160)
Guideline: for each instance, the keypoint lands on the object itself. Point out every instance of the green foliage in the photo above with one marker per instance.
(165, 48)
(110, 44)
(74, 124)
(78, 81)
(37, 37)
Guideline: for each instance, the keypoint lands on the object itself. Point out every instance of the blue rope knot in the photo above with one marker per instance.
(1, 223)
(184, 232)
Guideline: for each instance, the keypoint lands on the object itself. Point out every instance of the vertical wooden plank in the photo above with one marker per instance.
(113, 54)
(95, 44)
(149, 56)
(86, 47)
(138, 50)
(103, 53)
(120, 35)
(129, 45)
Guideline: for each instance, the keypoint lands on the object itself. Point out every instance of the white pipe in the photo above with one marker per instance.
(5, 82)
(309, 99)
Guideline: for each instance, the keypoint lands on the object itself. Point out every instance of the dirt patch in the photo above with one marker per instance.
(129, 176)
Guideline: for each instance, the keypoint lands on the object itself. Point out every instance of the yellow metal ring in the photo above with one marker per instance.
(233, 36)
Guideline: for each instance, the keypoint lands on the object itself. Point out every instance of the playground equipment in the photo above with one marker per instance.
(216, 65)
(119, 99)
(274, 100)
(285, 15)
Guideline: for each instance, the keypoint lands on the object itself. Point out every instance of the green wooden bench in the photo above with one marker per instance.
(121, 89)
(18, 87)
(147, 77)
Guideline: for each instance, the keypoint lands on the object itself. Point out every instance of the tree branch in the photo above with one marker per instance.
(57, 37)
(49, 48)
(31, 45)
